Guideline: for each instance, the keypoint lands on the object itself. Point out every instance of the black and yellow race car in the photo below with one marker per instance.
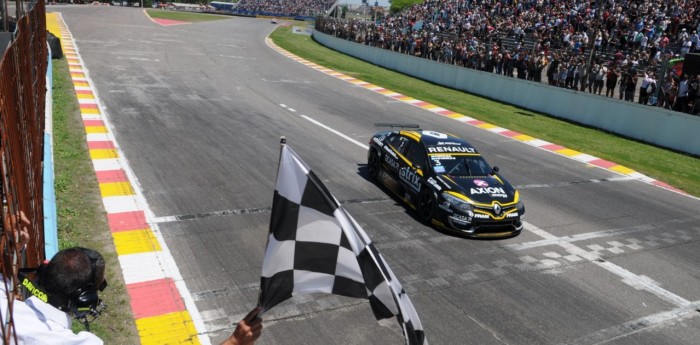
(446, 181)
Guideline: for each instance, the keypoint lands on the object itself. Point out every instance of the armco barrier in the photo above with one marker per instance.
(661, 127)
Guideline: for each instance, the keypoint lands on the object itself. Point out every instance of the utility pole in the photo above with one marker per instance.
(661, 75)
(596, 28)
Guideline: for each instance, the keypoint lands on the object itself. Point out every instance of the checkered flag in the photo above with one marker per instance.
(314, 245)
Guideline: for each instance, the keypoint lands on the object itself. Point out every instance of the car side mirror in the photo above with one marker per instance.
(494, 171)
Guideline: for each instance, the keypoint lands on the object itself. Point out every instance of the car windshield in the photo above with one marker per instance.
(460, 165)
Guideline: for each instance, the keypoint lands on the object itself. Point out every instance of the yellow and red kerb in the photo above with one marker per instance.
(152, 279)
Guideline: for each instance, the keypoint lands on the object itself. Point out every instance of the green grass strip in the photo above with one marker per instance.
(191, 17)
(679, 170)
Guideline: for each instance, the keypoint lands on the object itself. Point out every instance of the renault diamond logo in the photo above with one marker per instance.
(497, 209)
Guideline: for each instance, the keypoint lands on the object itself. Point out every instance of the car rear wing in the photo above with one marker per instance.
(397, 125)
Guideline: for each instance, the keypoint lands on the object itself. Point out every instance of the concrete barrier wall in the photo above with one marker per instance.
(670, 129)
(50, 213)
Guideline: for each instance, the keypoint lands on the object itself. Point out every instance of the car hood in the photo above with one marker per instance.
(483, 189)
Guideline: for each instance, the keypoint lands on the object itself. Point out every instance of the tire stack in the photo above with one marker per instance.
(55, 45)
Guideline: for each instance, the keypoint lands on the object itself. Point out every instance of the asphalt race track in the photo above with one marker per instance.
(198, 111)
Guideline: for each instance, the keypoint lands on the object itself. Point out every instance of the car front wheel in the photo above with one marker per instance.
(373, 165)
(426, 205)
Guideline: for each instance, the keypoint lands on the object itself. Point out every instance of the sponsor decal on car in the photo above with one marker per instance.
(390, 151)
(449, 143)
(496, 192)
(435, 134)
(450, 149)
(442, 157)
(512, 215)
(379, 141)
(481, 183)
(434, 183)
(392, 163)
(410, 176)
(458, 218)
(481, 216)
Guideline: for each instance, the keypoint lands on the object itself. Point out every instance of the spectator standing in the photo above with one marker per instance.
(647, 86)
(630, 85)
(499, 64)
(643, 43)
(687, 44)
(599, 79)
(693, 90)
(623, 81)
(580, 75)
(683, 35)
(540, 62)
(611, 81)
(552, 68)
(681, 103)
(570, 71)
(670, 89)
(663, 43)
(509, 64)
(591, 78)
(521, 66)
(563, 73)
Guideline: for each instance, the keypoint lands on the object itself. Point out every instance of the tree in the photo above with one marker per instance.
(400, 5)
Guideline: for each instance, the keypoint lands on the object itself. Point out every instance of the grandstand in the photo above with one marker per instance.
(295, 9)
(573, 37)
(222, 6)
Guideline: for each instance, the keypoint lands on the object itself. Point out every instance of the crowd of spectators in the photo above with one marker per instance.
(623, 44)
(285, 8)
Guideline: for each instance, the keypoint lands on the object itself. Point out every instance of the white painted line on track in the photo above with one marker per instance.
(165, 219)
(366, 147)
(629, 278)
(317, 123)
(610, 334)
(570, 183)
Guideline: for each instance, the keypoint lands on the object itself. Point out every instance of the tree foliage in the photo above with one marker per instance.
(400, 5)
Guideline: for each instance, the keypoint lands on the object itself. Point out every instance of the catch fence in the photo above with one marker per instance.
(22, 121)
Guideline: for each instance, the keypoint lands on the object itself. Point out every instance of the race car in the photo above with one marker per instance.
(446, 181)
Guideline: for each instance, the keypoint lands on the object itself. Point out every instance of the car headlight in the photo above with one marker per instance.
(521, 209)
(459, 203)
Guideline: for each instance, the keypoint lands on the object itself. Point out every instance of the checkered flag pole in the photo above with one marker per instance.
(314, 245)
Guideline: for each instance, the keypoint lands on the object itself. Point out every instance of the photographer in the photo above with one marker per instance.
(64, 289)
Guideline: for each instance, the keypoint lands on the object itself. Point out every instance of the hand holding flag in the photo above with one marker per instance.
(247, 330)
